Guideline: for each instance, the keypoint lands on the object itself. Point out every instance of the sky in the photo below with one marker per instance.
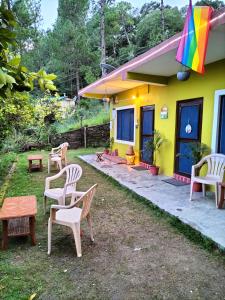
(49, 9)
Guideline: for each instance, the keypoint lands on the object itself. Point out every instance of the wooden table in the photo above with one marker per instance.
(18, 218)
(99, 156)
(222, 194)
(33, 166)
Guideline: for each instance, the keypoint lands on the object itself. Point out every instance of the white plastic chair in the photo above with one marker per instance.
(71, 216)
(73, 174)
(214, 176)
(58, 156)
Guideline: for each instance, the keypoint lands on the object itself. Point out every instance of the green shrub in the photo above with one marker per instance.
(6, 161)
(16, 142)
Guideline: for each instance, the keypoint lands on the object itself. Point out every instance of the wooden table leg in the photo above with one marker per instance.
(30, 165)
(5, 234)
(221, 200)
(41, 165)
(32, 230)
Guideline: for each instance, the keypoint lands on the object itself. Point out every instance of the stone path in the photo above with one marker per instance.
(201, 214)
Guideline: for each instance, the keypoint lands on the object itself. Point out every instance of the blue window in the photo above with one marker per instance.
(125, 125)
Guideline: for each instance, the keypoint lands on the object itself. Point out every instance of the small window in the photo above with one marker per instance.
(125, 125)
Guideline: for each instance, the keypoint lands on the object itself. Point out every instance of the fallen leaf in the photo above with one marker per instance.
(32, 296)
(137, 249)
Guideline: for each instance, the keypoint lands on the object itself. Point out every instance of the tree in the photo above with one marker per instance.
(27, 14)
(151, 6)
(216, 4)
(119, 32)
(79, 42)
(149, 31)
(70, 35)
(13, 76)
(15, 79)
(162, 19)
(102, 4)
(102, 7)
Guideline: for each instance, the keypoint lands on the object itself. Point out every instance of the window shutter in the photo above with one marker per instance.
(125, 125)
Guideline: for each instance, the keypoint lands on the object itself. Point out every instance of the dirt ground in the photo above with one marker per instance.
(136, 255)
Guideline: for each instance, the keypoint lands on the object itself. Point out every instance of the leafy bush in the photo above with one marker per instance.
(153, 145)
(16, 142)
(41, 134)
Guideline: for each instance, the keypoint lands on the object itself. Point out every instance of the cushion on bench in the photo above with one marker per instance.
(115, 159)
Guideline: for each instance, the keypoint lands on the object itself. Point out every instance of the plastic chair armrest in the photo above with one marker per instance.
(54, 209)
(51, 178)
(55, 149)
(57, 207)
(197, 167)
(75, 197)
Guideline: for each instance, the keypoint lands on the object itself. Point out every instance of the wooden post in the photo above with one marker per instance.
(32, 230)
(85, 137)
(5, 234)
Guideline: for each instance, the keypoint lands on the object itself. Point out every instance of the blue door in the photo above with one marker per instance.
(189, 126)
(221, 146)
(147, 131)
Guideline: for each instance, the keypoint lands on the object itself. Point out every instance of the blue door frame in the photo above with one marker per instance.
(147, 131)
(221, 144)
(188, 130)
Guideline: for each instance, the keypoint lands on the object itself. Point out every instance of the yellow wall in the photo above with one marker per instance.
(197, 86)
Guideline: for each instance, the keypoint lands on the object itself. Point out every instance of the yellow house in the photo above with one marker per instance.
(145, 95)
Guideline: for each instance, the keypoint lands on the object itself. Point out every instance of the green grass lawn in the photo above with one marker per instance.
(136, 254)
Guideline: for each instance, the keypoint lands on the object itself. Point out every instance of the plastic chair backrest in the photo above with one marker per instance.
(86, 201)
(73, 174)
(63, 151)
(216, 165)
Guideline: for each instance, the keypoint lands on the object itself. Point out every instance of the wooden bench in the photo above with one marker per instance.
(18, 217)
(115, 159)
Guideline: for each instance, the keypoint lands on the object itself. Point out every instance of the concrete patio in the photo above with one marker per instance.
(201, 214)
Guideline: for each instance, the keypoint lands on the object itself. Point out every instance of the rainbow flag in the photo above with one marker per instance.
(193, 45)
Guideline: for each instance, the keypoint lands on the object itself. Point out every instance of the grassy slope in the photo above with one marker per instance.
(110, 268)
(100, 118)
(6, 161)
